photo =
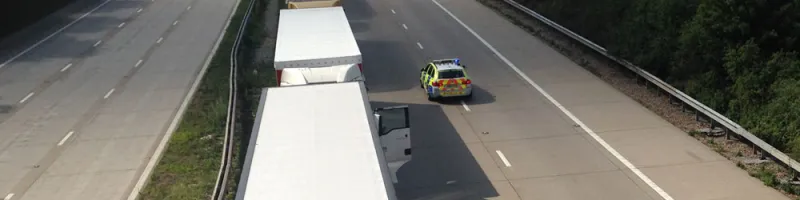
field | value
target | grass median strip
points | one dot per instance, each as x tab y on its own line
189	165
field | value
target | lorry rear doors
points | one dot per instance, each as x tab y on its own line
394	131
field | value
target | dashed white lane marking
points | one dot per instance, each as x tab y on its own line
589	131
53	34
419	45
190	7
65	68
465	106
9	196
159	40
97	43
66	137
138	11
121	25
26	98
108	93
174	23
393	12
138	63
503	158
405	27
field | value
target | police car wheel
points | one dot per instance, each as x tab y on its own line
430	98
469	96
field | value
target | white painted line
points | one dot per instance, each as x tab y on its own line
175	23
138	63
159	40
503	158
159	151
190	7
66	67
121	24
8	196
52	34
26	98
405	27
108	93
589	131
138	11
393	12
97	43
66	137
465	106
419	45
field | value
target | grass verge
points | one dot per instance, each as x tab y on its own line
737	150
189	165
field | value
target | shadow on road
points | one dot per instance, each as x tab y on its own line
442	166
388	66
69	41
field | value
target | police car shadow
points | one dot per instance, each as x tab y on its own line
479	96
442	165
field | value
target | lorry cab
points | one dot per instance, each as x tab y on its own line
394	131
319	75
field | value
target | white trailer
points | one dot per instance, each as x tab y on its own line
316	45
324	141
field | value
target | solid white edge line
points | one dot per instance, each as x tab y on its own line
159	40
97	43
419	45
138	63
26	98
108	94
9	196
405	27
66	67
503	158
148	169
121	24
66	137
589	131
53	34
465	106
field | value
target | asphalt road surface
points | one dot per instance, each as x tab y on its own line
538	127
82	110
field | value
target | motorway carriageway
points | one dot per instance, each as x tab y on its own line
82	110
538	127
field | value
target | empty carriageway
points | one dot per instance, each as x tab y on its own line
539	125
90	103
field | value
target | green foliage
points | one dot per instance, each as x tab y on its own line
736	56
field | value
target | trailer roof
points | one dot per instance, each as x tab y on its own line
315	37
315	142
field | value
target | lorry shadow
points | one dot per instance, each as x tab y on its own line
443	165
358	10
386	66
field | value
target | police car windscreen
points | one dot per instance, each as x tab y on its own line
448	74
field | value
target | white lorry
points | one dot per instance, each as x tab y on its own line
316	45
324	141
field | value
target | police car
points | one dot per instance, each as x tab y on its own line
445	78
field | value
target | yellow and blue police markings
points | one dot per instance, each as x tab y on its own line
445	78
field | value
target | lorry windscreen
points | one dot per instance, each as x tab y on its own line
448	74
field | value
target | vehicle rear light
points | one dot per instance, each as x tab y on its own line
436	84
278	75
468	82
360	68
